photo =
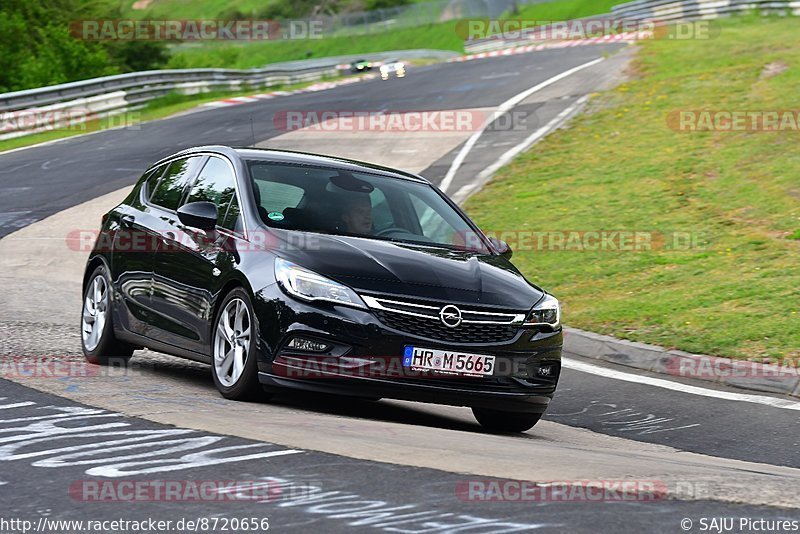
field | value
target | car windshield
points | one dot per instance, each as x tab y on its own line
337	202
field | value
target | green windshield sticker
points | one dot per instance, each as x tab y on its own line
275	216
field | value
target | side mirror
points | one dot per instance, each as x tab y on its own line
501	247
200	215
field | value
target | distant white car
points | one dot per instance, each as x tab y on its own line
393	66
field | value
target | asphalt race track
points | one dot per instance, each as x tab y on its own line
45	180
338	464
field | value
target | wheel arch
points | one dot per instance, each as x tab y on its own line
91	266
237	280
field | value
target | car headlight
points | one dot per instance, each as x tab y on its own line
308	285
546	312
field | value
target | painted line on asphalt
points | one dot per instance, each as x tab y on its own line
775	402
511	153
15	405
503	108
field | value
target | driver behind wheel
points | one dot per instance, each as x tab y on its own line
357	214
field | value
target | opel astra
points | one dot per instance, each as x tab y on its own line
290	270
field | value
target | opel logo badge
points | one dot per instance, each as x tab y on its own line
450	316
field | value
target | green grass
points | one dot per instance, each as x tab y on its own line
192	9
441	36
565	9
247	55
622	168
209	9
159	108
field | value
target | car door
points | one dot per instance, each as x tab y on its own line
162	229
188	271
131	263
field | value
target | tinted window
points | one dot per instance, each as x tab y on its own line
432	223
216	184
170	189
231	215
151	180
381	213
276	197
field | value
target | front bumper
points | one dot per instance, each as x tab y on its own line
364	358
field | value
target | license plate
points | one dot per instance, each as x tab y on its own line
449	362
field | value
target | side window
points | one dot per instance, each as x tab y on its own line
432	224
382	217
231	215
152	180
215	183
169	191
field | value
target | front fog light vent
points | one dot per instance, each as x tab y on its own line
308	345
546	371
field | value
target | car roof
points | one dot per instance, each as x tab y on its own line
304	158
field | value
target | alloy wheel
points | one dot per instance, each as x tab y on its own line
232	342
95	312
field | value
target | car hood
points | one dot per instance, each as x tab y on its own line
375	266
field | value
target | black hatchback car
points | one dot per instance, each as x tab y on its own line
285	269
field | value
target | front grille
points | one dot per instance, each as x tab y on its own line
434	329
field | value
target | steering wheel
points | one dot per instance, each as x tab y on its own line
390	230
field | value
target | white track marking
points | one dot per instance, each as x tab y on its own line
775	402
511	153
15	405
503	108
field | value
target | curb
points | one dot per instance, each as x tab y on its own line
510	49
742	374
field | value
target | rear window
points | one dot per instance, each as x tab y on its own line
277	197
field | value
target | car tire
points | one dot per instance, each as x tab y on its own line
99	344
234	366
498	421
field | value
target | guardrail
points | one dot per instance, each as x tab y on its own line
666	10
26	112
657	12
57	106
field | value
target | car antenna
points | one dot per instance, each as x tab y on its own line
252	131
